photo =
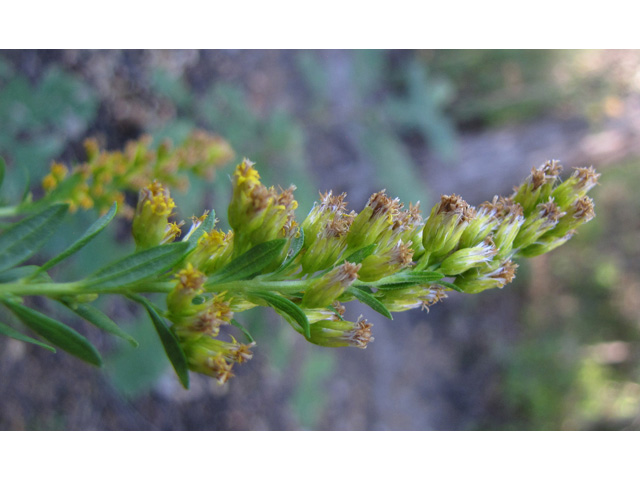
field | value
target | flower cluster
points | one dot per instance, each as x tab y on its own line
386	256
106	175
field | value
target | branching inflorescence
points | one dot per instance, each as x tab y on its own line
386	256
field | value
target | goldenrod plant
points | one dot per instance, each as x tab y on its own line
386	256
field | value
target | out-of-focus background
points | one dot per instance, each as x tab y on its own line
557	349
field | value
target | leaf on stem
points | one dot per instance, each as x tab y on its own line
56	332
450	285
407	279
241	327
86	237
249	263
296	247
11	332
170	342
359	255
287	308
138	266
96	317
23	239
369	300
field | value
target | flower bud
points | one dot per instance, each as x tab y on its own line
401	299
256	213
537	224
576	186
445	225
376	217
180	299
462	260
215	357
330	286
477	280
150	221
328	333
537	186
381	264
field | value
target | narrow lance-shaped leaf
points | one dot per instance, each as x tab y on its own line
170	343
241	327
452	286
96	317
286	307
294	250
86	237
13	333
138	266
359	255
25	238
369	300
405	279
249	263
56	332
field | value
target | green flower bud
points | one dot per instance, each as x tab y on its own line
180	299
536	225
575	187
328	333
401	299
330	286
151	226
376	217
544	245
445	225
258	214
511	221
480	226
462	260
382	264
537	186
215	357
477	280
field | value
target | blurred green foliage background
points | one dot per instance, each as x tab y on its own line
360	121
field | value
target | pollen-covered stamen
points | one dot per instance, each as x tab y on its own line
360	336
505	273
220	368
383	205
584	209
171	232
552	168
587	177
435	294
401	254
550	212
346	274
190	279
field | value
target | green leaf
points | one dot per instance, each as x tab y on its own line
14	274
25	238
450	285
249	263
206	226
406	279
10	332
56	332
294	250
170	343
359	255
138	266
369	300
286	307
96	317
242	329
86	237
